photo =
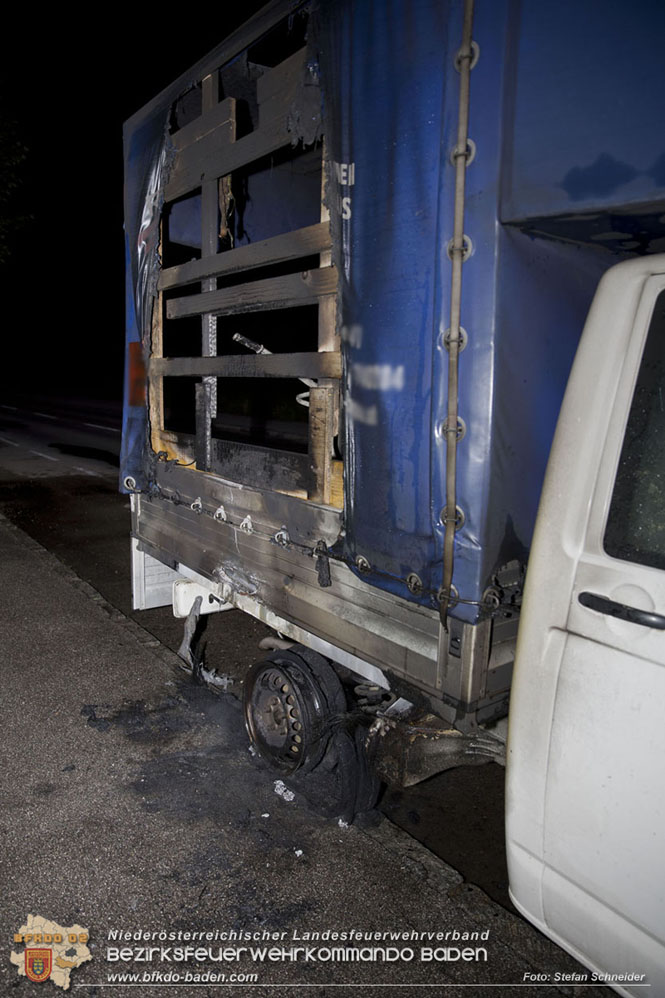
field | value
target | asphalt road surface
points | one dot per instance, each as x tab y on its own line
132	796
59	465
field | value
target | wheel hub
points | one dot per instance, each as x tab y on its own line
288	711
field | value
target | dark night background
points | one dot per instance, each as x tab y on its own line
66	87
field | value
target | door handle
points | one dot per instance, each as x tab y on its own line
631	613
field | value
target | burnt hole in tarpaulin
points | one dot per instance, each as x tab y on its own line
181	231
304	118
262	412
179	396
511	547
237	79
277	193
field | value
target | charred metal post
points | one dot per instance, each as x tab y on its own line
186	650
203	446
206	392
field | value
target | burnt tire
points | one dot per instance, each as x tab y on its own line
346	785
330	766
292	702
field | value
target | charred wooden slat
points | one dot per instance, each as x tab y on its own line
274	292
203	415
208	158
221	116
288	246
320	441
274	365
240	39
261	466
285	78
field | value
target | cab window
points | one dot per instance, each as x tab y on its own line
636	524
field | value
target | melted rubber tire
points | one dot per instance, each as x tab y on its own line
292	702
343	784
334	773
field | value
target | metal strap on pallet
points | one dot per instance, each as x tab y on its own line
453	338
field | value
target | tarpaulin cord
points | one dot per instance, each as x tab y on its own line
453	337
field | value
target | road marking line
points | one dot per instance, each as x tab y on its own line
6	440
86	472
98	426
49	457
44	415
12	407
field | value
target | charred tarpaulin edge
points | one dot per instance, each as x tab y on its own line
149	266
154	266
242	38
137	142
340	240
430	596
144	266
305	118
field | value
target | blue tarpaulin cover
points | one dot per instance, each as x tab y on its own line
567	178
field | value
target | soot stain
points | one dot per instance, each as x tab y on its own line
191	784
140	721
44	789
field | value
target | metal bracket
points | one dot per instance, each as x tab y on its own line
406	753
185	651
322	565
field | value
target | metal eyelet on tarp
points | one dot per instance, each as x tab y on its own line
459	519
459	249
442	429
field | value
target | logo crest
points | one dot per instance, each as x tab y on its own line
38	964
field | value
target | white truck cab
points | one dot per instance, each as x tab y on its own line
585	798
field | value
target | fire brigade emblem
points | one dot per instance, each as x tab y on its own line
38	964
52	952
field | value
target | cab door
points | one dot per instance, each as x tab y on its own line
591	660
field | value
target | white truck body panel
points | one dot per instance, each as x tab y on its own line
585	807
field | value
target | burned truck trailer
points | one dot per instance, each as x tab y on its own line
362	241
